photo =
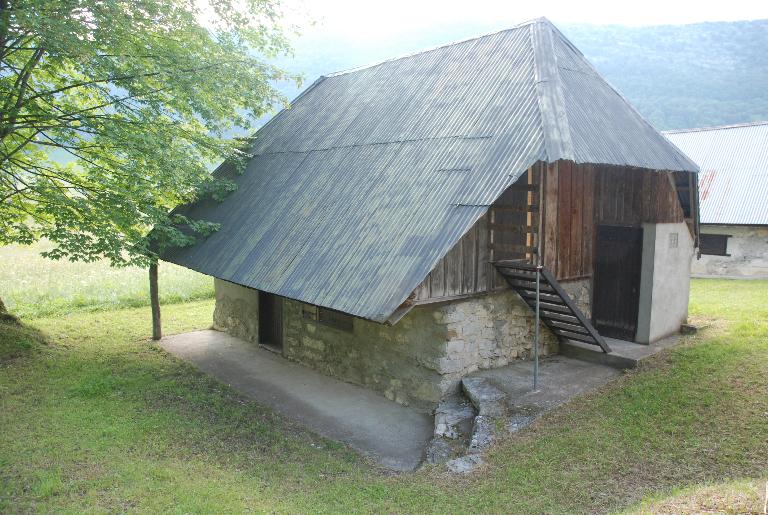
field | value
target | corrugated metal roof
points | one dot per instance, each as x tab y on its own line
358	190
733	183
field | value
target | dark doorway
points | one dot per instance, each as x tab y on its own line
270	320
616	297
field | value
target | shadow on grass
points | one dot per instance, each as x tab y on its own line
17	339
103	416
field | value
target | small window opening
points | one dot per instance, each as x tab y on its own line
714	244
335	319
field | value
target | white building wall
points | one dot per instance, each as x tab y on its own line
665	280
748	249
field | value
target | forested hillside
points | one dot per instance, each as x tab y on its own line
684	76
677	76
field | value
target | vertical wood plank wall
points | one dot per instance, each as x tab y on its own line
464	270
633	197
577	198
569	219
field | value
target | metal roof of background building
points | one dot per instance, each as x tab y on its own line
733	183
364	184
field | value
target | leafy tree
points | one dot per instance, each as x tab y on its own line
113	111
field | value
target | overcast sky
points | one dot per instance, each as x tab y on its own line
375	19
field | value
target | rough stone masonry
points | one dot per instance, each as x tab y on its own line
417	361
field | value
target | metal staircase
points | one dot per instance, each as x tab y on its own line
556	308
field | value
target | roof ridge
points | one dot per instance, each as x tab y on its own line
519	26
716	127
555	124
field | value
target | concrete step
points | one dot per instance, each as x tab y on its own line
487	399
623	354
593	354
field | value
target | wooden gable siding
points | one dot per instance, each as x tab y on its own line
578	198
499	234
465	270
509	226
633	197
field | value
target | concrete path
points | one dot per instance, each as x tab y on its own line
638	351
393	435
579	369
560	379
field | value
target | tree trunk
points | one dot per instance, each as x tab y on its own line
157	332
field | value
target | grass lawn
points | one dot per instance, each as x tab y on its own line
101	419
33	286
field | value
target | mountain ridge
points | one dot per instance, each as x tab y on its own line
676	76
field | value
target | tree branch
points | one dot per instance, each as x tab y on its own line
53	177
19	147
21	87
123	78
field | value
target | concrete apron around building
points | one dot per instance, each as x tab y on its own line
502	400
395	436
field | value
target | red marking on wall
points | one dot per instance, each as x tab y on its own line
706	179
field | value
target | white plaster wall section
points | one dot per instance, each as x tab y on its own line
747	249
646	284
665	280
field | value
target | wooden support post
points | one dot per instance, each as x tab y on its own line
157	332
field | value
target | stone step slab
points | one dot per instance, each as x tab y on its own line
453	418
441	450
487	398
465	464
482	434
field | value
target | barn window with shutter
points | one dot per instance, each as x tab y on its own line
714	244
335	319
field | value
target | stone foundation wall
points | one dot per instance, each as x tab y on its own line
403	362
237	310
488	331
417	361
580	290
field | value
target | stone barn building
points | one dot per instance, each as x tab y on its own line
733	186
385	229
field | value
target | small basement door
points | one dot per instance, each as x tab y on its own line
270	320
616	300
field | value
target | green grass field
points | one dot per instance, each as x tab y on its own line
97	418
33	286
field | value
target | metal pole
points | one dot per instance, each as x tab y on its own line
536	338
540	180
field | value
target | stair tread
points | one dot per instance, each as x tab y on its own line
556	309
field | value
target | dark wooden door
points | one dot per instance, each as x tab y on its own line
616	296
270	320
